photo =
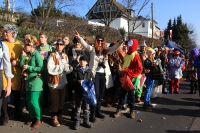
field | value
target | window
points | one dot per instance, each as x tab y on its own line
143	25
95	10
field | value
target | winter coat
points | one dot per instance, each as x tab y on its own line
80	75
175	72
94	60
35	67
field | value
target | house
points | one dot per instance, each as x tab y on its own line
115	15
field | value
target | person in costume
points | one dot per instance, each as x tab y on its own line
99	66
34	82
193	71
143	57
133	68
58	66
175	72
15	48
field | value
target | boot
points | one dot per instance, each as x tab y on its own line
98	112
132	114
107	101
114	101
55	122
87	124
77	125
61	120
72	114
5	120
117	114
92	115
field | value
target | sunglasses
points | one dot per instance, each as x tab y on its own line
60	44
27	45
99	40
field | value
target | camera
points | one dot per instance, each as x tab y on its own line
102	64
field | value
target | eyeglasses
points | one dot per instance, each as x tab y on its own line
99	40
60	44
27	45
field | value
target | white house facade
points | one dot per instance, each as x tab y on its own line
144	26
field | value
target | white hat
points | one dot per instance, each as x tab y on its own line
143	44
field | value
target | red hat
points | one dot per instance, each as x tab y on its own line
176	52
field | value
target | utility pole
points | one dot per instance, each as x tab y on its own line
152	22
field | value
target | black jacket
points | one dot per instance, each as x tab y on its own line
79	75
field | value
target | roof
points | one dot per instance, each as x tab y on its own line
118	5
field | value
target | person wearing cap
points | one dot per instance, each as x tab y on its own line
58	66
143	56
175	72
44	49
100	69
148	70
15	48
33	85
5	65
82	72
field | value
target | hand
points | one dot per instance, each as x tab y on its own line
79	81
7	91
23	52
14	63
25	67
146	71
76	34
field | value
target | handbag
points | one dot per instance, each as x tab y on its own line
126	81
88	91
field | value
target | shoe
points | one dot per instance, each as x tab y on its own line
5	120
177	92
100	115
29	122
147	108
191	92
117	114
61	120
108	105
171	92
77	125
138	100
132	114
37	123
87	124
55	122
92	118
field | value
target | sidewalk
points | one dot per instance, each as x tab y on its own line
174	113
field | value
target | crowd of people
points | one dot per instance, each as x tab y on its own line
122	73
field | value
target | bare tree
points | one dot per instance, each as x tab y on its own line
138	6
47	6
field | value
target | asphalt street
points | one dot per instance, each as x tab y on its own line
174	113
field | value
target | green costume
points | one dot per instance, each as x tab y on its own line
33	86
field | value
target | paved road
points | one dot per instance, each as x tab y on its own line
180	113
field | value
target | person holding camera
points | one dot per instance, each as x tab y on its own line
100	69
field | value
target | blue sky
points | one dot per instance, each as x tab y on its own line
163	11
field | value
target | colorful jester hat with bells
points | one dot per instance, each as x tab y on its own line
132	51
